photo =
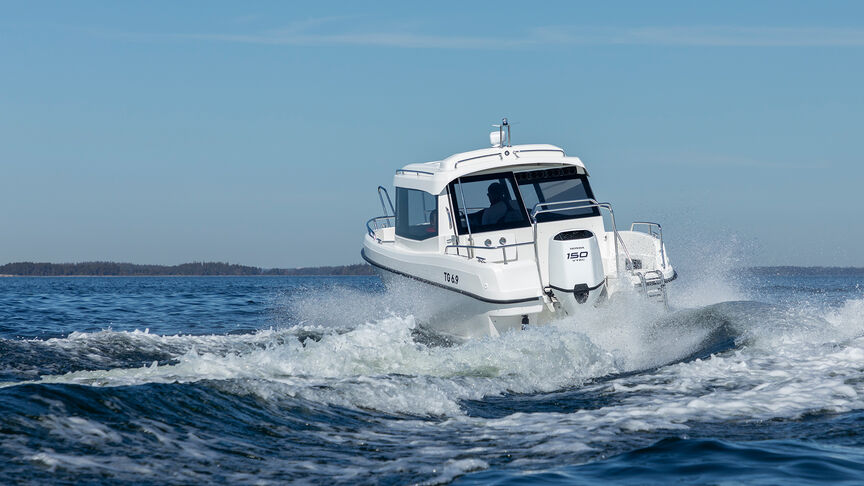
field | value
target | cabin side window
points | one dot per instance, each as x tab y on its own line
556	185
416	214
488	203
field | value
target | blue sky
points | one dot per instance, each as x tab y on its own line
256	132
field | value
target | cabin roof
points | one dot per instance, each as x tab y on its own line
434	176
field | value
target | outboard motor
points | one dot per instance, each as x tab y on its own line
576	269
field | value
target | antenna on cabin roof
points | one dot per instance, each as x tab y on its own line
497	138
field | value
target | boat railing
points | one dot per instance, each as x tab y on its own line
476	158
382	192
412	171
469	255
658	234
377	223
560	206
553	207
651	278
388	220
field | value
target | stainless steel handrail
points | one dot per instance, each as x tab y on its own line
371	231
381	198
642	282
477	157
405	171
467	219
661	283
592	203
539	150
659	231
646	223
503	248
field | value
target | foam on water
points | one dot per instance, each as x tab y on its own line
784	375
378	365
715	362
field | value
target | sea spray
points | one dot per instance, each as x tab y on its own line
360	398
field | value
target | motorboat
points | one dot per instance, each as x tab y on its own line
507	237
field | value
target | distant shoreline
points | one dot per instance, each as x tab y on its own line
221	269
177	276
195	269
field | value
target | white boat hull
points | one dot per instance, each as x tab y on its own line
464	299
459	316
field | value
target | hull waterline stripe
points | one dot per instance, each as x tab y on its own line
436	284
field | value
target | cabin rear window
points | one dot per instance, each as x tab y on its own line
556	185
416	214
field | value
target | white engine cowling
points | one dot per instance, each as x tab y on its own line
576	269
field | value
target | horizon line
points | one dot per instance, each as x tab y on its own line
362	263
308	34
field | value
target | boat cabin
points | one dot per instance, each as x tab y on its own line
468	198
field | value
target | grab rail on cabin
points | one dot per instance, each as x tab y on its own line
412	171
374	224
469	159
381	198
651	232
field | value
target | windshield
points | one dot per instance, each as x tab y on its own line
490	201
556	185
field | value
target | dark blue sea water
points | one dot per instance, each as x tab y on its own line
268	380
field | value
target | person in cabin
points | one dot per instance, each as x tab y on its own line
499	204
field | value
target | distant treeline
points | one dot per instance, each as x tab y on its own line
789	271
31	269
